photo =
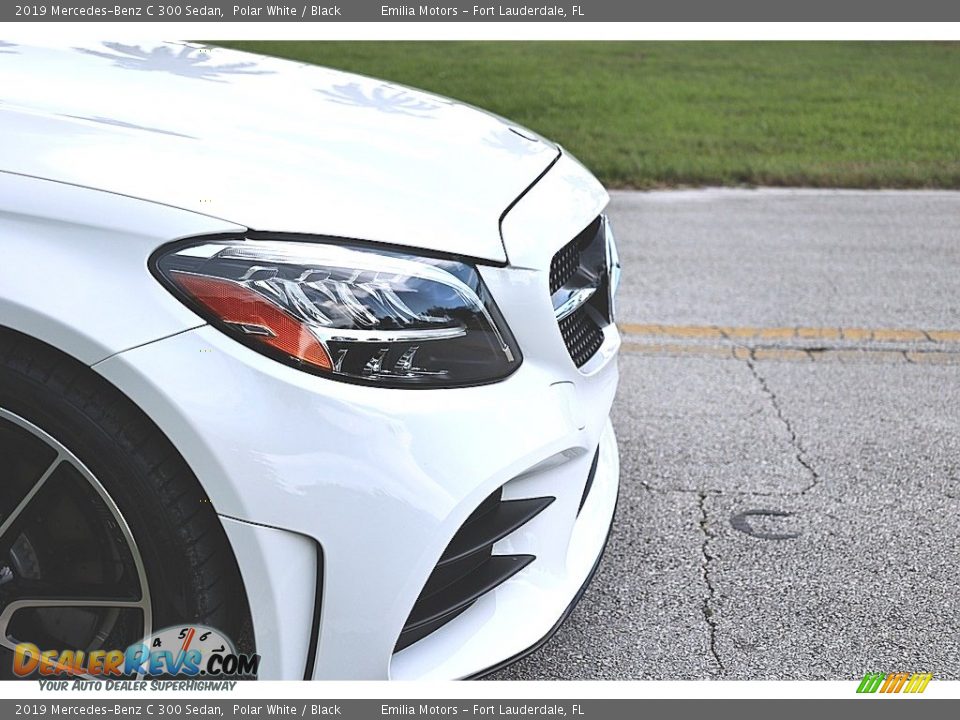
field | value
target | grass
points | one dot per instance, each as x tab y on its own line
650	114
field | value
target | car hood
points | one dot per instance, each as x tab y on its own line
269	144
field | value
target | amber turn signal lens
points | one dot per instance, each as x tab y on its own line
255	316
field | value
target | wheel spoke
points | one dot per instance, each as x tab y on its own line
73	602
79	602
45	590
11	521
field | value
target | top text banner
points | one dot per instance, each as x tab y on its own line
585	11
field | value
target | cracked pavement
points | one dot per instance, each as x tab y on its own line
788	422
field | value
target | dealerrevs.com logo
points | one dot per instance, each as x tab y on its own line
910	683
186	651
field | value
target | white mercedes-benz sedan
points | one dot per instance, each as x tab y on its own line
319	361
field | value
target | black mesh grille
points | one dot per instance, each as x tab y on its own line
564	265
468	569
582	257
567	260
582	336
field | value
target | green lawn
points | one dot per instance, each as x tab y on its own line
646	114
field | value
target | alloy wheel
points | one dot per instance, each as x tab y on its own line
71	575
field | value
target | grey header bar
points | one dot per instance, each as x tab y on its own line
484	709
484	11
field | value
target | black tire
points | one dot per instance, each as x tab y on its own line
192	574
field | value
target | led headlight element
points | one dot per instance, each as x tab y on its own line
348	311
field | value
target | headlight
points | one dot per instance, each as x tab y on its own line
348	312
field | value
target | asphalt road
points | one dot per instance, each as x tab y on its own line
788	421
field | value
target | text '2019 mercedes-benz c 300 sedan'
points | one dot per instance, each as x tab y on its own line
296	363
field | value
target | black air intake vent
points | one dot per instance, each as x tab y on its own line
468	569
590	477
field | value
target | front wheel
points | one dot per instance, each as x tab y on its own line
105	534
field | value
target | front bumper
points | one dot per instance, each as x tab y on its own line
358	490
381	480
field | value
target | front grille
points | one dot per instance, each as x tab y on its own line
564	265
580	262
468	569
582	335
567	260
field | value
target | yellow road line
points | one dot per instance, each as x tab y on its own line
783	354
944	335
